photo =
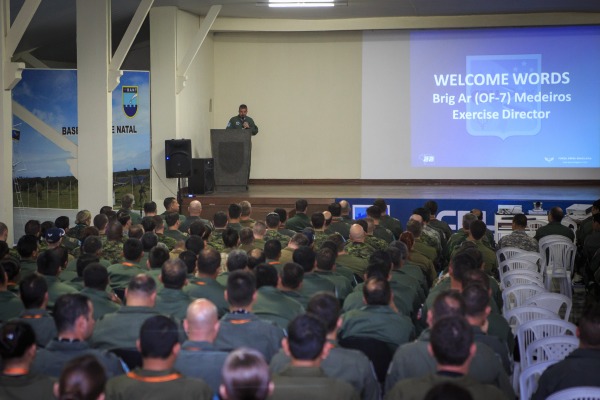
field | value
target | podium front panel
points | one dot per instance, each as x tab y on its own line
231	151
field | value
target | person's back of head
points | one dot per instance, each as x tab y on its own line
149	240
379	270
189	258
335	209
377	292
328	244
234	211
83	261
317	220
381	204
266	275
470	249
520	220
259	229
100	221
299	240
423	212
449	303
52	260
477	229
477	300
68	308
245	376
150	207
95	276
306	337
148	224
82	378
157	256
460	263
132	249
194	243
141	286
292	275
255	257
127	201
431	206
158	337
338	240
326	259
415	227
301	205
272	249
557	214
33	290
220	219
237	260
27	246
282	214
408	239
16	338
363	224
327	307
476	276
241	286
305	256
467	220
12	267
209	261
91	245
245	208
62	222
33	227
168	202
89	231
171	218
451	341
374	212
380	256
396	256
231	238
173	274
247	236
114	231
589	327
272	220
197	228
159	223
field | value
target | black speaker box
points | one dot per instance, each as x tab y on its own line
178	158
202	180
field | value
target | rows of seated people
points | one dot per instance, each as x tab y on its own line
117	286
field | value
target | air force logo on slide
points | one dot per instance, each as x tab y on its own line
130	97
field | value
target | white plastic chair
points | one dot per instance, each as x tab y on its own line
555	302
531	331
520	315
560	260
571	224
514	264
506	253
515	296
532	256
577	393
523	277
550	349
528	380
550	238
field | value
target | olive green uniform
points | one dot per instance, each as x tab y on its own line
383	233
209	289
343	287
201	360
314	283
392	224
378	322
120	274
356	264
272	305
26	387
301	383
42	323
56	288
11	306
121	329
172	302
298	222
102	302
339	226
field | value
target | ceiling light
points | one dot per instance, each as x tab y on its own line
301	3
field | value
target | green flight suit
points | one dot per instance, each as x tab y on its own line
121	329
425	264
343	287
201	360
338	226
238	123
56	288
28	267
392	224
298	222
11	306
164	385
42	323
102	302
26	387
314	283
405	279
403	301
120	274
299	297
378	322
355	264
301	383
272	305
173	302
189	220
383	233
210	289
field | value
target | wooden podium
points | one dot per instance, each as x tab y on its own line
231	150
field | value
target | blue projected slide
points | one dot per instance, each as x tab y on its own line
522	97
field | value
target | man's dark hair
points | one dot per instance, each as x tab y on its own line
16	338
91	245
12	267
306	337
325	259
32	290
325	306
171	218
272	220
123	217
317	219
292	275
33	227
26	245
301	205
520	220
236	260
52	260
246	236
374	212
105	209
467	220
234	211
300	239
62	222
220	219
423	212
476	299
45	226
557	214
95	276
328	244
304	256
266	275
143	284
133	249
230	237
245	375
195	244
395	256
462	262
149	207
282	214
159	223
82	378
448	303
338	240
158	336
477	229
149	240
379	270
173	273
380	256
100	221
470	248
476	276
381	204
589	327
189	259
377	292
432	206
168	201
335	209
241	286
363	223
451	340
209	261
83	261
272	249
415	227
157	257
198	228
255	257
68	308
148	224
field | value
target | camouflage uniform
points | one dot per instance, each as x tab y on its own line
320	238
273	234
360	250
168	241
520	240
247	223
383	233
113	251
77	231
70	244
391	223
216	240
376	243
